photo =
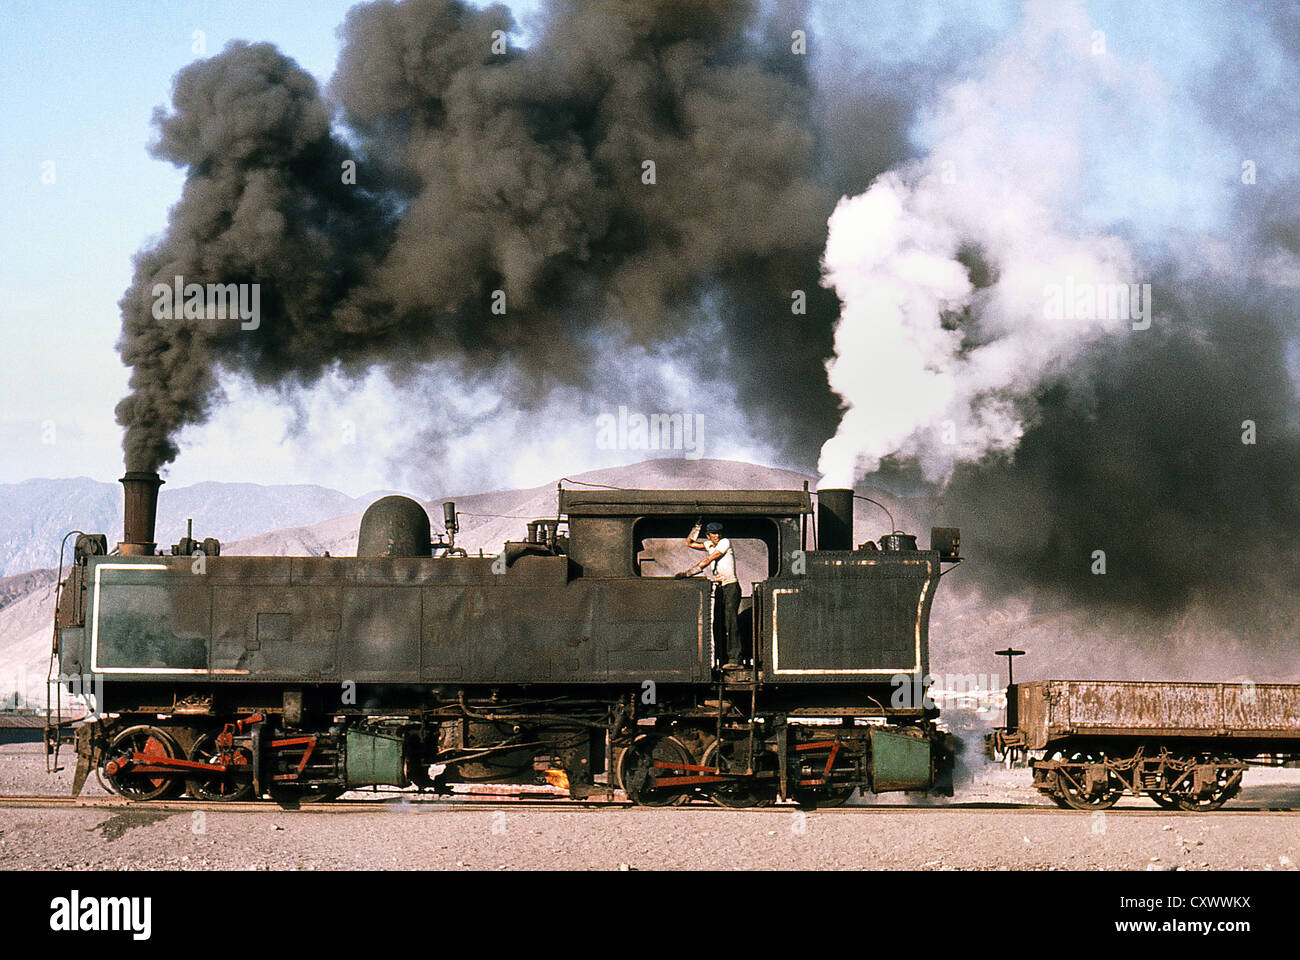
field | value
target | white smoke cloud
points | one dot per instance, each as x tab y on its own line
441	432
479	436
930	366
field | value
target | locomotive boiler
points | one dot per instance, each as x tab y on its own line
573	657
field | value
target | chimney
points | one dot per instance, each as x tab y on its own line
139	513
834	519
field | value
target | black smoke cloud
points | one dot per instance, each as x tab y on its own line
263	203
479	172
1138	452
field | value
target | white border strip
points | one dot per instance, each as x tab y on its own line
94	630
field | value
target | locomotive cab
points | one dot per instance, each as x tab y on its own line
637	536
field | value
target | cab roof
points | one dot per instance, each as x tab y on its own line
730	503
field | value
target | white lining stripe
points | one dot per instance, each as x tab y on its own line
94	630
776	655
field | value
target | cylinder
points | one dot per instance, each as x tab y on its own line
834	519
139	512
394	527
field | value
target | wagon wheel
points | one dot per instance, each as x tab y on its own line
1164	801
1071	795
637	770
1045	781
221	786
1221	795
737	794
1213	802
149	742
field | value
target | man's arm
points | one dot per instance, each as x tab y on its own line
692	571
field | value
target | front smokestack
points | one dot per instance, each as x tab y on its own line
139	513
834	519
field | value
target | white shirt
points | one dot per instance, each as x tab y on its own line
724	568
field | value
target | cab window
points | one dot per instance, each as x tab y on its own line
661	550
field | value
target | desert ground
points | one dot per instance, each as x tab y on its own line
996	822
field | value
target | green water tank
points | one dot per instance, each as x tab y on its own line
375	758
899	761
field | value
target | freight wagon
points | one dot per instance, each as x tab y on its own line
1184	745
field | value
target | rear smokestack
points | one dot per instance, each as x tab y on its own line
835	519
139	513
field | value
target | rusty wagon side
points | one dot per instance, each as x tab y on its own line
1183	744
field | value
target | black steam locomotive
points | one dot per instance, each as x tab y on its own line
574	657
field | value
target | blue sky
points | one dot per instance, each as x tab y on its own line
79	82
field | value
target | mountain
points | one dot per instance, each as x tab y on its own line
26	634
489	519
35	514
20	584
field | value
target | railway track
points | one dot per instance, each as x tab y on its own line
523	802
333	806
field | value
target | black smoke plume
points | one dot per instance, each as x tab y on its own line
1138	450
521	171
1176	455
263	203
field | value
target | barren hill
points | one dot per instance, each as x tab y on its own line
35	514
490	519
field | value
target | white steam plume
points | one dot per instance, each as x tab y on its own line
930	365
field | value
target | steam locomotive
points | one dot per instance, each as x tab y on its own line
574	657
